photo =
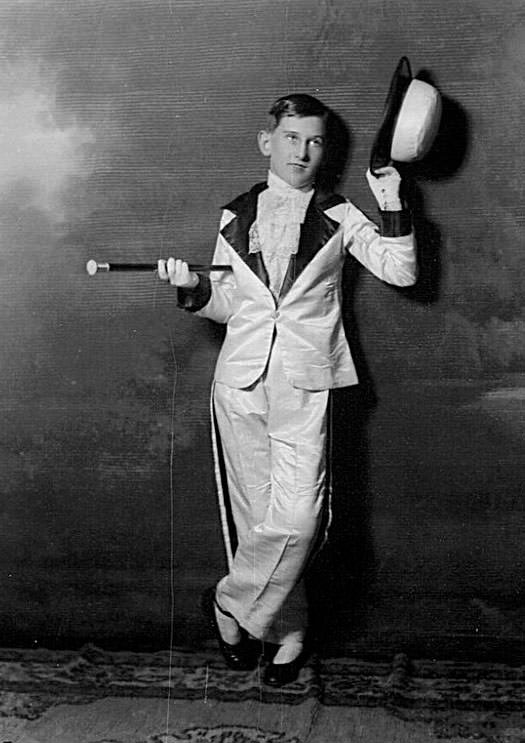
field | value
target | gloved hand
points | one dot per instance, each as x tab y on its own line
385	187
177	273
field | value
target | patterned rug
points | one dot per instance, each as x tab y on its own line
96	696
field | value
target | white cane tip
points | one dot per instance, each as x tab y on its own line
91	267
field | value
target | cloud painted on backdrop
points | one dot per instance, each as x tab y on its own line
42	152
35	150
61	328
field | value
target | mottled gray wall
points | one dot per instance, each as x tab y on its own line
124	126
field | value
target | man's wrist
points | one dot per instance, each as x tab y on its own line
395	223
391	204
196	298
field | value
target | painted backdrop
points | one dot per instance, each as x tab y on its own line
124	126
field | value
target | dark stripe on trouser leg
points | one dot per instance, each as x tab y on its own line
232	531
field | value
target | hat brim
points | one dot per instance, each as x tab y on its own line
380	154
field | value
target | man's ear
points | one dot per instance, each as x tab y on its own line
263	140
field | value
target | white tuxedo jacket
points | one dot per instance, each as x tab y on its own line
306	320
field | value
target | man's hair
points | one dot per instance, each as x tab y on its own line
297	104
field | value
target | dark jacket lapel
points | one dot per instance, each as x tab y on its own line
315	232
236	232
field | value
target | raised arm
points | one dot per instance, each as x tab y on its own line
387	250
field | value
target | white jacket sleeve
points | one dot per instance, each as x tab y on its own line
212	297
391	259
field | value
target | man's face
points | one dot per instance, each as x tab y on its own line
295	148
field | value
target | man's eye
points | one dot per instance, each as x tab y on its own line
317	142
291	137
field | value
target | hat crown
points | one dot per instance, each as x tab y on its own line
417	122
410	121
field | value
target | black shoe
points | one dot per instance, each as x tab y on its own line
242	656
280	674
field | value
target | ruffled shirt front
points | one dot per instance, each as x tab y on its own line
281	210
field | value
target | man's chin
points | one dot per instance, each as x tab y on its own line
298	177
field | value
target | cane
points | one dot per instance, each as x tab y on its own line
93	267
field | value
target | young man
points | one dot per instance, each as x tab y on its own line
284	350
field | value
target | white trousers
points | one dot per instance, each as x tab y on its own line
273	438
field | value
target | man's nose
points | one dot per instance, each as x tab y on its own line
302	151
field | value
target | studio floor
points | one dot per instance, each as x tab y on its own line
177	696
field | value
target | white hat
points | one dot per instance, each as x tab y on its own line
410	120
